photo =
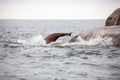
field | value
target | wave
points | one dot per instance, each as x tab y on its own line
10	44
96	41
39	40
99	41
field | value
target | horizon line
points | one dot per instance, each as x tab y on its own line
52	19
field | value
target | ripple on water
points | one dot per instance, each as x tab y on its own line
10	45
91	64
115	67
3	56
113	55
86	53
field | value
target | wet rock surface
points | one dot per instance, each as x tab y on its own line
114	18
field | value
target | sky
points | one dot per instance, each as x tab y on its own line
57	9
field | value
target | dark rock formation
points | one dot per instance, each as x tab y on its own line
114	18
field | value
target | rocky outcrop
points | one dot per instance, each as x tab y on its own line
112	32
114	18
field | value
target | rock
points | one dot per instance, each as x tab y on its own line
110	33
114	18
105	33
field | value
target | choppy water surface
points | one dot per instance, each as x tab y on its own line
54	62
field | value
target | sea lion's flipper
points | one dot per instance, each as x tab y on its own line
74	38
54	36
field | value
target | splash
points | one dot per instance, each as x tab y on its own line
37	40
106	41
96	41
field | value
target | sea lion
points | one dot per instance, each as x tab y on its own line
54	36
111	31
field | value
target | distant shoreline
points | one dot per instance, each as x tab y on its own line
52	19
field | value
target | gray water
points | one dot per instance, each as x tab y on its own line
36	62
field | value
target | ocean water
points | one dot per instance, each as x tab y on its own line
23	58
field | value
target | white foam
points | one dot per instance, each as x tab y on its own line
21	41
96	41
93	41
37	40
